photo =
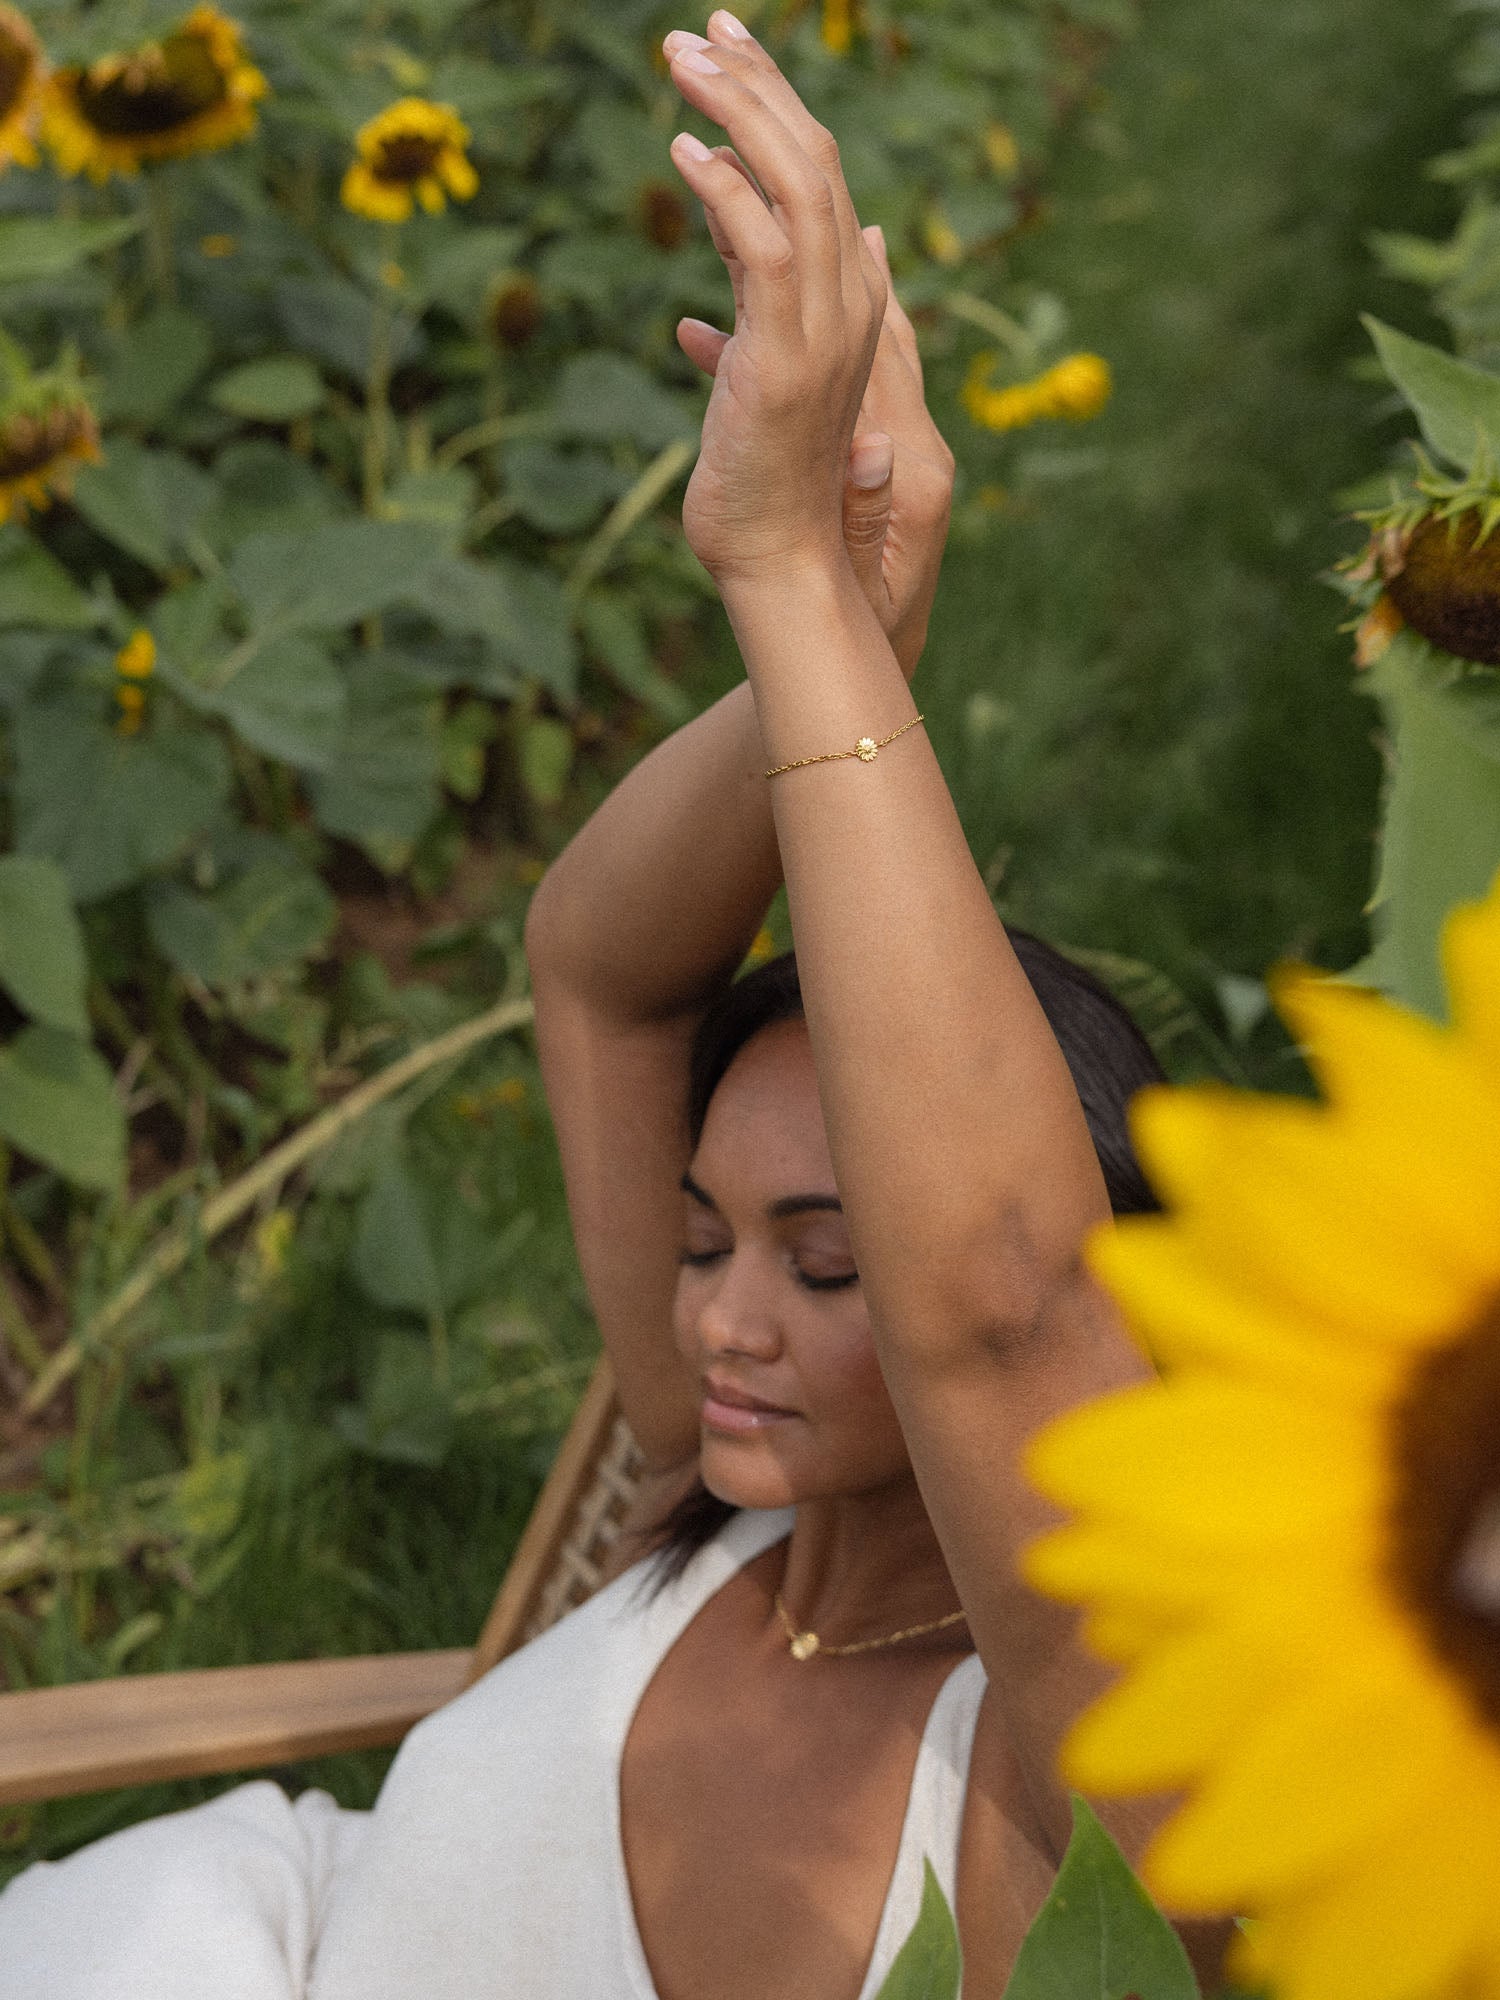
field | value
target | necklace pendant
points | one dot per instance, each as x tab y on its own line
804	1645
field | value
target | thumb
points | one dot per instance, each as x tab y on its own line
867	512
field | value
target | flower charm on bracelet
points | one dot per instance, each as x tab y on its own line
867	749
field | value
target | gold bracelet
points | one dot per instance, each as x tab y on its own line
866	750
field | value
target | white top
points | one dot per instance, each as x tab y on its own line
491	1865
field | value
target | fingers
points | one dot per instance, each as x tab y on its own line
867	514
702	344
748	233
808	201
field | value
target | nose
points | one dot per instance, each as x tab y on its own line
736	1311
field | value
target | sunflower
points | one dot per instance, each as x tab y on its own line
1077	387
47	430
1291	1542
413	151
194	91
22	71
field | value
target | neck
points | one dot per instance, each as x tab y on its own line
861	1565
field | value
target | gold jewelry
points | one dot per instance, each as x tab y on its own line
866	750
802	1645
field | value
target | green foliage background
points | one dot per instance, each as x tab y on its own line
382	702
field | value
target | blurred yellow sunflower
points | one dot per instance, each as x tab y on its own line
1077	387
47	430
1292	1542
22	73
194	91
413	151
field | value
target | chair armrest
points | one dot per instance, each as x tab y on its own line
143	1728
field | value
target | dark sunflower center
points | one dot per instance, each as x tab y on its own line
30	443
1448	588
17	61
153	90
406	157
1445	1544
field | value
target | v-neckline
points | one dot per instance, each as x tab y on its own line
747	1529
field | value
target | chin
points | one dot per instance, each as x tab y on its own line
750	1478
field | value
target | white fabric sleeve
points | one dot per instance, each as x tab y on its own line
222	1902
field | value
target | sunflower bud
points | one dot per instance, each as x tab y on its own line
1446	585
513	311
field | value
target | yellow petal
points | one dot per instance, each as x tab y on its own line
1187	1306
1317	1779
1471	958
1410	1919
1168	1716
1213	1461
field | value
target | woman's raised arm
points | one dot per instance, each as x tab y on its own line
650	910
958	1142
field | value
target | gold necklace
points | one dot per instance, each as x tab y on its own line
802	1645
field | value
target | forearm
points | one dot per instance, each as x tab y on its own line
958	1141
652	906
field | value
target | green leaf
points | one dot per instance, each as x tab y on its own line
35	589
288	700
560	492
1440	841
406	1416
929	1966
1457	404
331	574
110	809
144	501
617	638
395	1258
520	611
58	1106
262	921
544	750
607	395
443	496
333	319
33	247
381	786
42	963
273	391
1099	1936
156	364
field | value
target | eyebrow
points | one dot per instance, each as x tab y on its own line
787	1204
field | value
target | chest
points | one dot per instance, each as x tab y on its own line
762	1803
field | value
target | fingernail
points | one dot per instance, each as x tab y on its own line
732	26
683	38
870	464
696	60
693	148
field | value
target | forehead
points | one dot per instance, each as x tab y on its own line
764	1126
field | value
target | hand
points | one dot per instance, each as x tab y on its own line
768	492
894	530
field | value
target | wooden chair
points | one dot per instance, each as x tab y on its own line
143	1728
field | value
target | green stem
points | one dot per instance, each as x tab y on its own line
378	390
160	247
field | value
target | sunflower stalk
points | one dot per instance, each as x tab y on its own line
159	232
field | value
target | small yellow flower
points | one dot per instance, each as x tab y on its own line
530	870
47	430
194	91
218	245
391	275
1001	150
1077	387
273	1240
136	659
411	152
132	705
762	947
941	239
1291	1542
22	77
839	21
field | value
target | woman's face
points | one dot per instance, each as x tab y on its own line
769	1314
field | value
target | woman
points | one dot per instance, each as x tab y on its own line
831	1233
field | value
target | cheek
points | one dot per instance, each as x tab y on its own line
844	1373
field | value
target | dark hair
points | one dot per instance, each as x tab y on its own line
1108	1056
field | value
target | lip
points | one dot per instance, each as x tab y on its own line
735	1412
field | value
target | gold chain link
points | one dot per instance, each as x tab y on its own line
866	750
